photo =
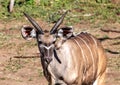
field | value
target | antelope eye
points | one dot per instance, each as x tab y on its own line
40	42
54	40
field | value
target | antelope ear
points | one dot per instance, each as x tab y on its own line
28	32
65	32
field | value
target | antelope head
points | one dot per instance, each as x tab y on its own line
48	41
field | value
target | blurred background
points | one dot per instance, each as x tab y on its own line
19	59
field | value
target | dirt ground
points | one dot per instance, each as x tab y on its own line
20	62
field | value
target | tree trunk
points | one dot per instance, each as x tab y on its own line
11	5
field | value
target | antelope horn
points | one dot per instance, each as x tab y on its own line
60	20
34	23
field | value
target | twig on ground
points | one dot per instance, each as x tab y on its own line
107	30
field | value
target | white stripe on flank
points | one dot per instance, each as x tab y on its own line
95	47
94	41
82	53
85	56
90	53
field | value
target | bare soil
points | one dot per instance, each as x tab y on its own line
20	62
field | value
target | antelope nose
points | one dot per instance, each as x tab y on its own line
48	59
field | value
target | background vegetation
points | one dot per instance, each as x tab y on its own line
50	10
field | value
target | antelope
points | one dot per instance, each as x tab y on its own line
66	58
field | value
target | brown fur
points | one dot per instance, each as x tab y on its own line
92	66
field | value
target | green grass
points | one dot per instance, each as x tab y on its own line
13	66
40	72
3	39
50	10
